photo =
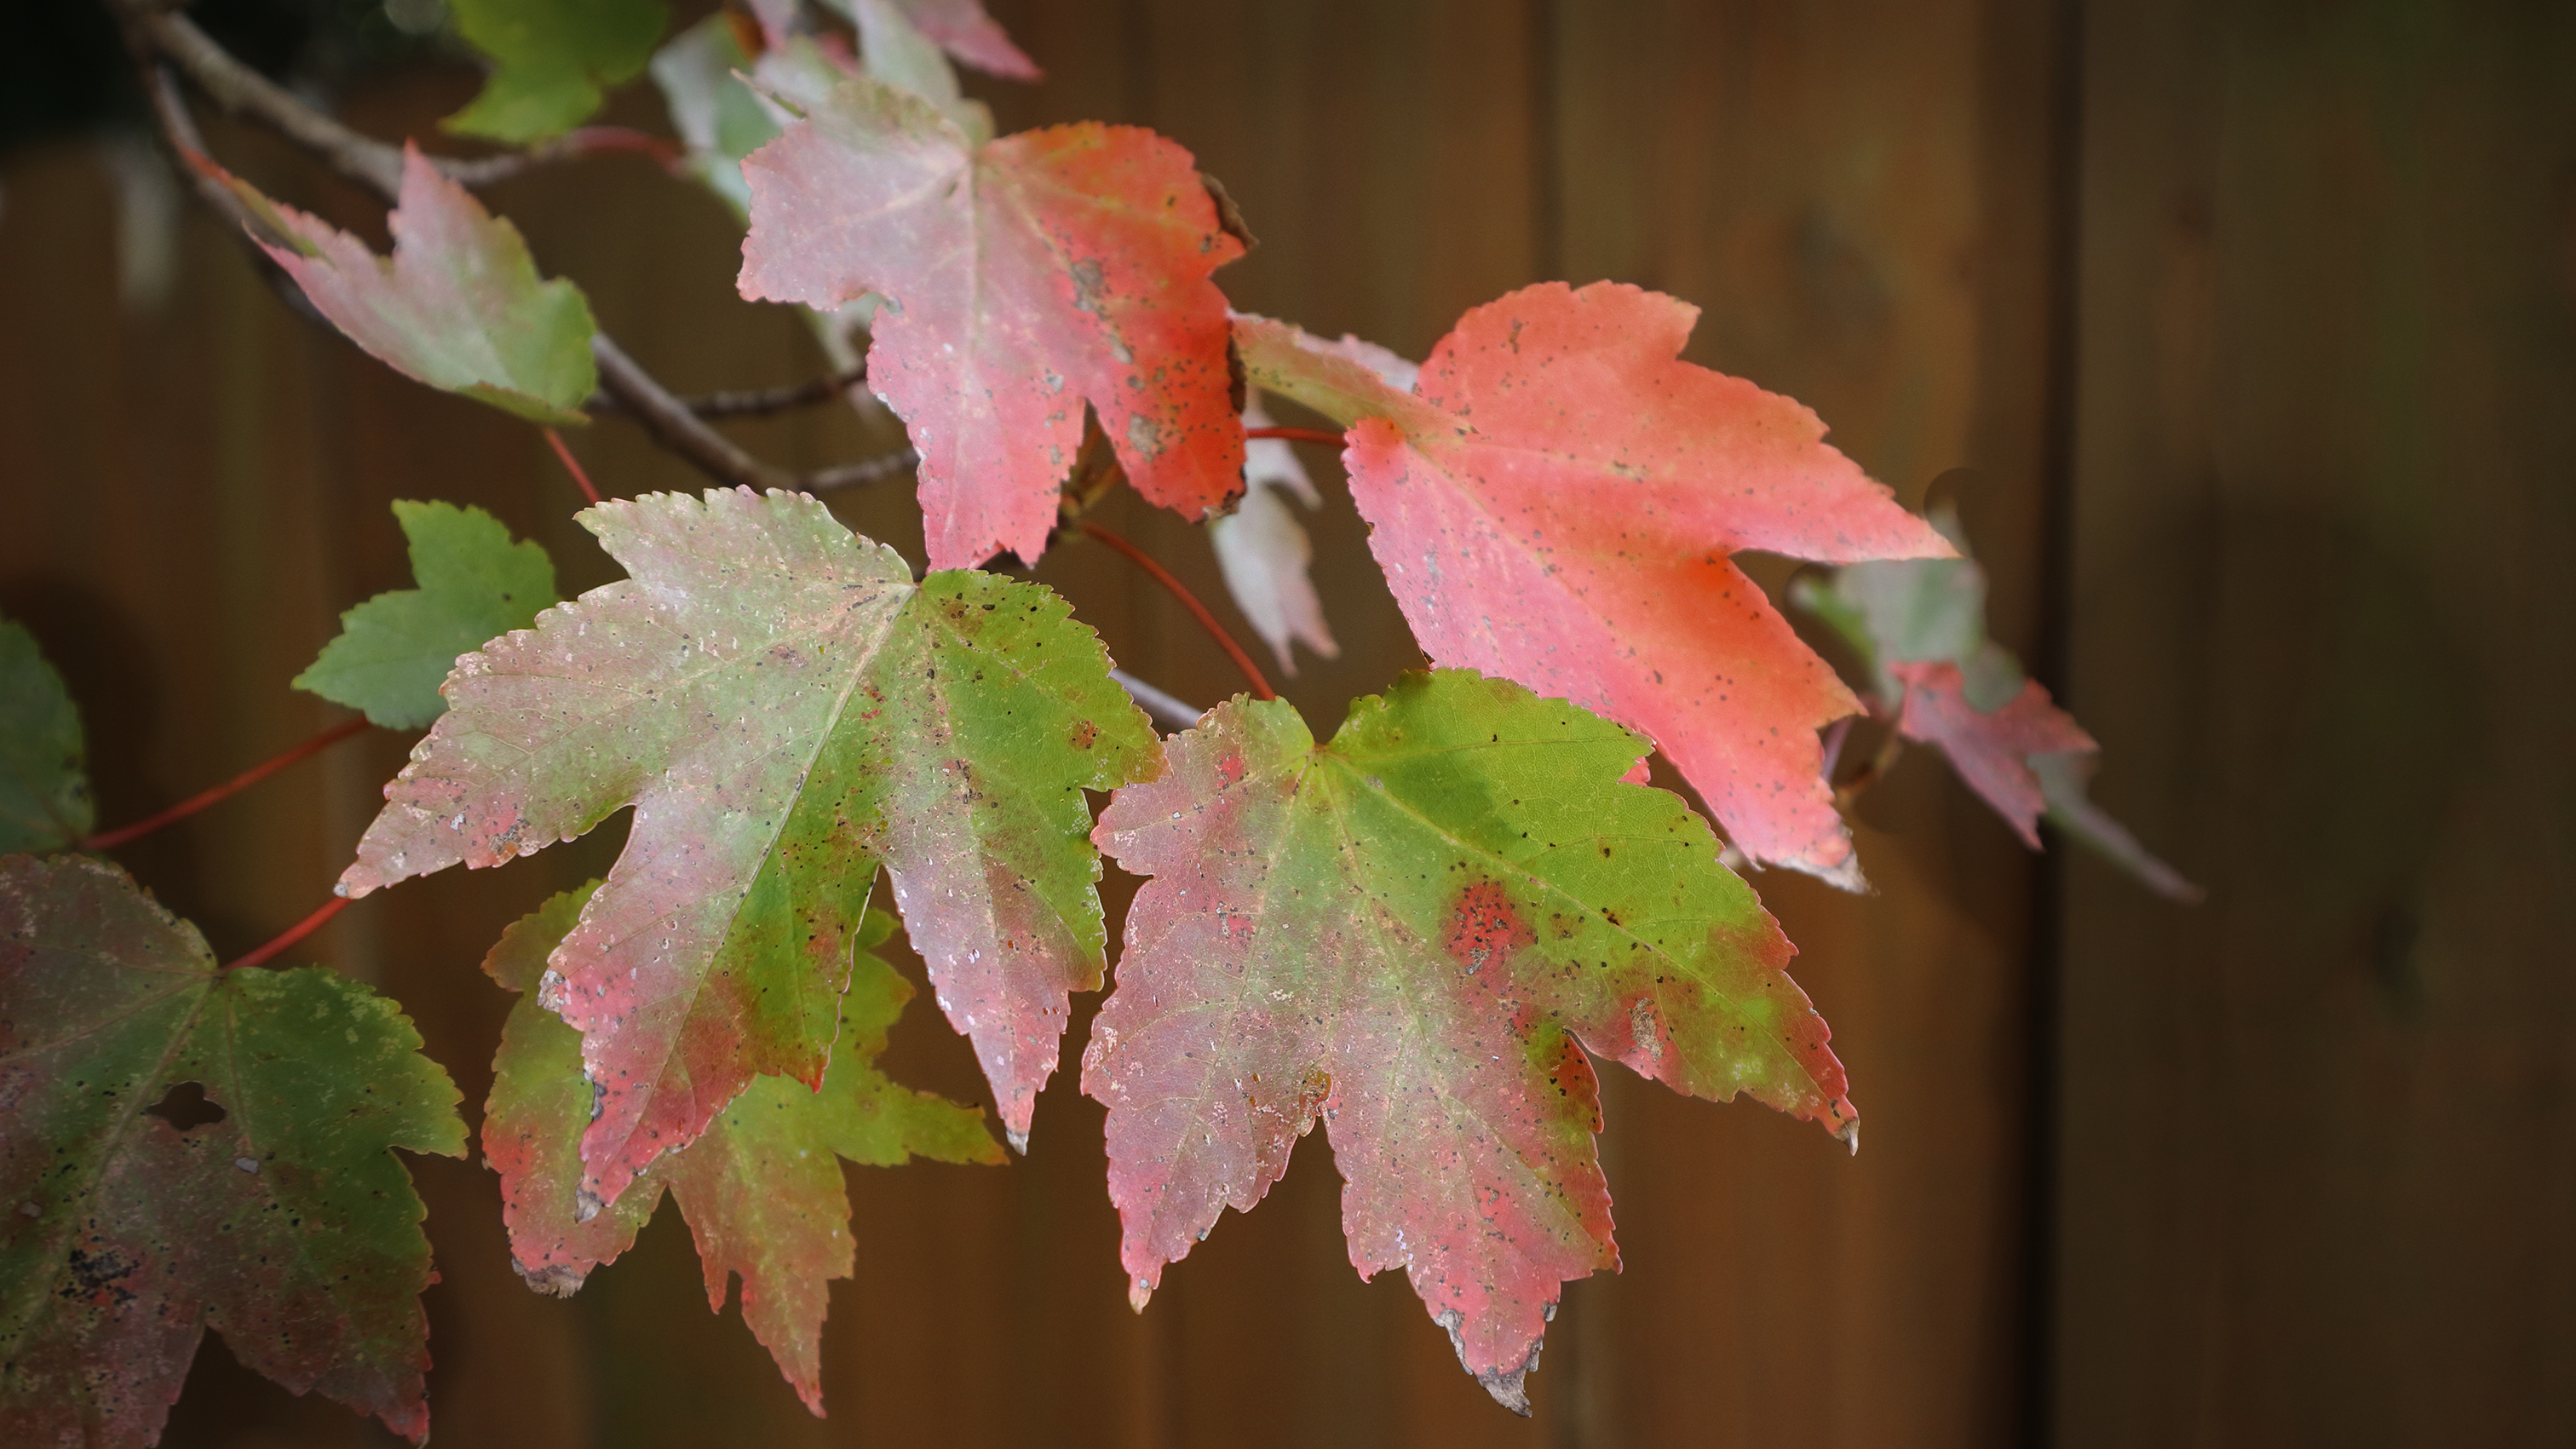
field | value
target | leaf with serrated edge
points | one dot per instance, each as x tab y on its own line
1416	933
784	707
458	305
394	650
1024	278
551	61
1555	503
44	786
1919	627
288	1226
762	1190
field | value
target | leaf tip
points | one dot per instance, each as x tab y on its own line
554	1280
1139	1293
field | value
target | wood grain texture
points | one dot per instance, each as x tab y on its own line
2317	1156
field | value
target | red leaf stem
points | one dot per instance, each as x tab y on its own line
572	465
1251	672
598	140
1297	435
292	934
111	839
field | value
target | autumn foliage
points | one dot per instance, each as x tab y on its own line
1423	933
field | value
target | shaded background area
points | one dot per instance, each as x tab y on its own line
2256	327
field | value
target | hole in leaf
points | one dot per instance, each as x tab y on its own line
186	1108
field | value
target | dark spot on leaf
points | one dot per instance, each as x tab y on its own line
186	1107
96	1273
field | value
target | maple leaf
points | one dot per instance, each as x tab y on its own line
287	1225
394	650
1024	278
761	1190
783	707
44	788
1264	552
457	306
719	119
1919	627
964	30
1555	501
551	61
1415	934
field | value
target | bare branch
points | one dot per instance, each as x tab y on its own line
866	470
180	129
674	426
374	164
756	402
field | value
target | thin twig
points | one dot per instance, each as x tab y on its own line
1165	709
360	157
869	470
292	934
572	465
674	426
1161	575
1298	435
111	839
754	402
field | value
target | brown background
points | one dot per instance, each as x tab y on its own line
2257	325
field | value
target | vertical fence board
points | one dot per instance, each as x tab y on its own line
1854	195
2317	1153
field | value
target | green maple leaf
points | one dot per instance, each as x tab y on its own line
762	1188
458	305
784	707
44	791
551	61
394	650
1415	934
287	1226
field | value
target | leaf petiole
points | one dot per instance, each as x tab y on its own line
1296	435
1251	672
262	955
572	465
111	839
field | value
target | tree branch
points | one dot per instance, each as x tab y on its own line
867	470
758	402
362	158
674	426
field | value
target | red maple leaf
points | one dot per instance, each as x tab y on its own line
1024	278
1555	503
1419	934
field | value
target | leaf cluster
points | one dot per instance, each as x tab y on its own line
1422	934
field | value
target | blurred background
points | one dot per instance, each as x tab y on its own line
2245	335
